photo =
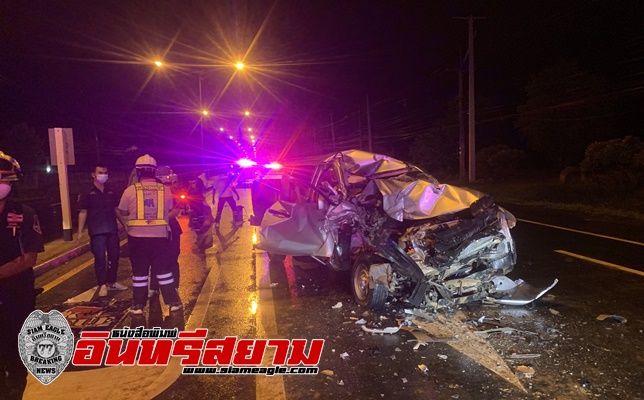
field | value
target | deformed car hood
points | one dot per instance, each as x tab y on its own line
420	199
405	197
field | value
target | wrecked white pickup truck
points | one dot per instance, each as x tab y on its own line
399	231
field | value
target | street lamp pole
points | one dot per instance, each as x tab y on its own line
201	124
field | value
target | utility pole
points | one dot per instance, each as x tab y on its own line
332	131
360	127
471	119
369	141
461	127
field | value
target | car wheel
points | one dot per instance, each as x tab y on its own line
364	295
276	257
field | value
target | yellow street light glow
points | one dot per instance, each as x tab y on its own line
221	129
204	112
252	136
247	113
250	129
239	65
254	239
253	307
158	63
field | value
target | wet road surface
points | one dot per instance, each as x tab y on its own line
579	357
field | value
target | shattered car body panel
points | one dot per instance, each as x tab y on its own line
435	245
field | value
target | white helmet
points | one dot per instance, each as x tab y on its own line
146	162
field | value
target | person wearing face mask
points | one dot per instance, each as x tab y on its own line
97	208
20	243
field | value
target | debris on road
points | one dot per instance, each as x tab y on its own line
397	349
389	329
274	284
419	313
423	368
338	305
374	351
327	372
442	356
361	321
404	380
505	329
523	371
417	346
340	382
344	356
611	318
553	311
517	356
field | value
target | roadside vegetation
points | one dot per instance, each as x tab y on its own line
608	181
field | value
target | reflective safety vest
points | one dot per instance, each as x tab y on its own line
153	218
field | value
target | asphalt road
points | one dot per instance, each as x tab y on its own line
235	291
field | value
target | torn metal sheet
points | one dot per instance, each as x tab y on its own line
518	293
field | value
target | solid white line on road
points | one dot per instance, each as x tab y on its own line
266	387
600	262
583	232
73	272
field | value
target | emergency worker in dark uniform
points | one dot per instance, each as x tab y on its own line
97	206
148	206
19	244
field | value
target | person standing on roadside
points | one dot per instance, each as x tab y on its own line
225	186
97	208
20	243
148	206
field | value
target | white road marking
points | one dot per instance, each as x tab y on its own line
84	297
266	387
583	232
600	262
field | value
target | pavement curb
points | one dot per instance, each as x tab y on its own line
60	259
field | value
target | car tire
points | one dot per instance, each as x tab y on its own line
276	257
364	295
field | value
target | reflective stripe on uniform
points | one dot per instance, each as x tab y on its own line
166	282
140	206
139	281
165	276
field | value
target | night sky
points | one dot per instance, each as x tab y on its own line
88	65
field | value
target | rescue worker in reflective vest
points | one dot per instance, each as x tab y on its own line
19	244
148	206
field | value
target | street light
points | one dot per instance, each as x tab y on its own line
204	112
247	113
239	65
158	63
